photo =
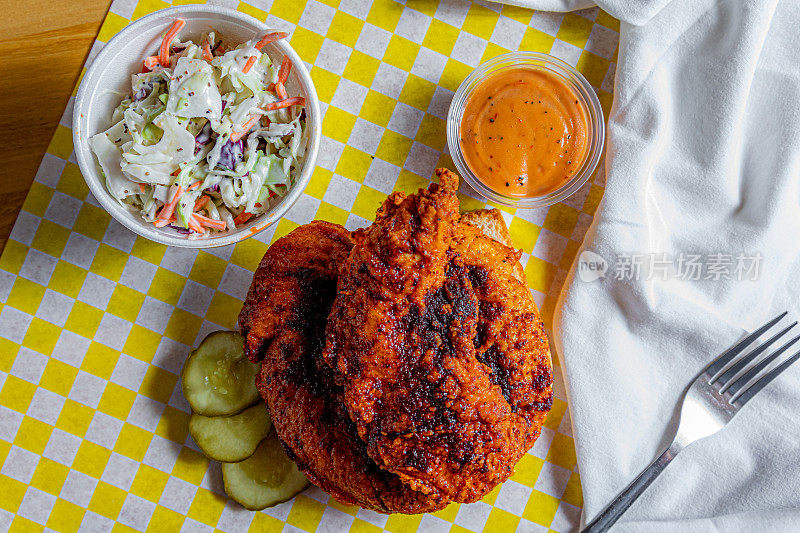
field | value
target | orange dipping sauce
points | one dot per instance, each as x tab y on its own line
524	132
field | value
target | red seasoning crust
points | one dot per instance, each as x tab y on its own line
439	348
427	378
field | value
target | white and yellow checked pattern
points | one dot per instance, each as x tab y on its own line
95	322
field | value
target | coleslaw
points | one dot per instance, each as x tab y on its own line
208	136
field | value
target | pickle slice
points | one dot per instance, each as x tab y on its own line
217	379
266	478
229	439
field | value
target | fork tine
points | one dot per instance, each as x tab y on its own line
748	376
729	374
728	355
764	381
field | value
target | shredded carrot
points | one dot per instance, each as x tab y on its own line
242	217
220	50
142	187
247	126
269	38
207	55
295	100
169	208
280	90
163	56
194	185
151	62
201	203
160	223
250	62
286	68
194	225
209	222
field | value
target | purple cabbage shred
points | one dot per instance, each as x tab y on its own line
204	136
231	153
143	92
182	231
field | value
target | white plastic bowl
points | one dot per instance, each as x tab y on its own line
122	56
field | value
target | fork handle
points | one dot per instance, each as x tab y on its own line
625	499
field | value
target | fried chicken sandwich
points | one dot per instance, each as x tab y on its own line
405	364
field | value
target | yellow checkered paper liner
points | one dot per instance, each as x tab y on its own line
96	322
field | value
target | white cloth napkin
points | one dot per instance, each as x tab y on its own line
703	158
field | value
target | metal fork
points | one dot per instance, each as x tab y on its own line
717	394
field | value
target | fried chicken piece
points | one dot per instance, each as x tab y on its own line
439	349
284	320
300	269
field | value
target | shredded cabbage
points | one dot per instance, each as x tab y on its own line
175	138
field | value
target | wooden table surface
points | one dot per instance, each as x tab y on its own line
44	45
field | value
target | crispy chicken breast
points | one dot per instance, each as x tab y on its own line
439	349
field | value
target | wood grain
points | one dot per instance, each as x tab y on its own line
44	45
